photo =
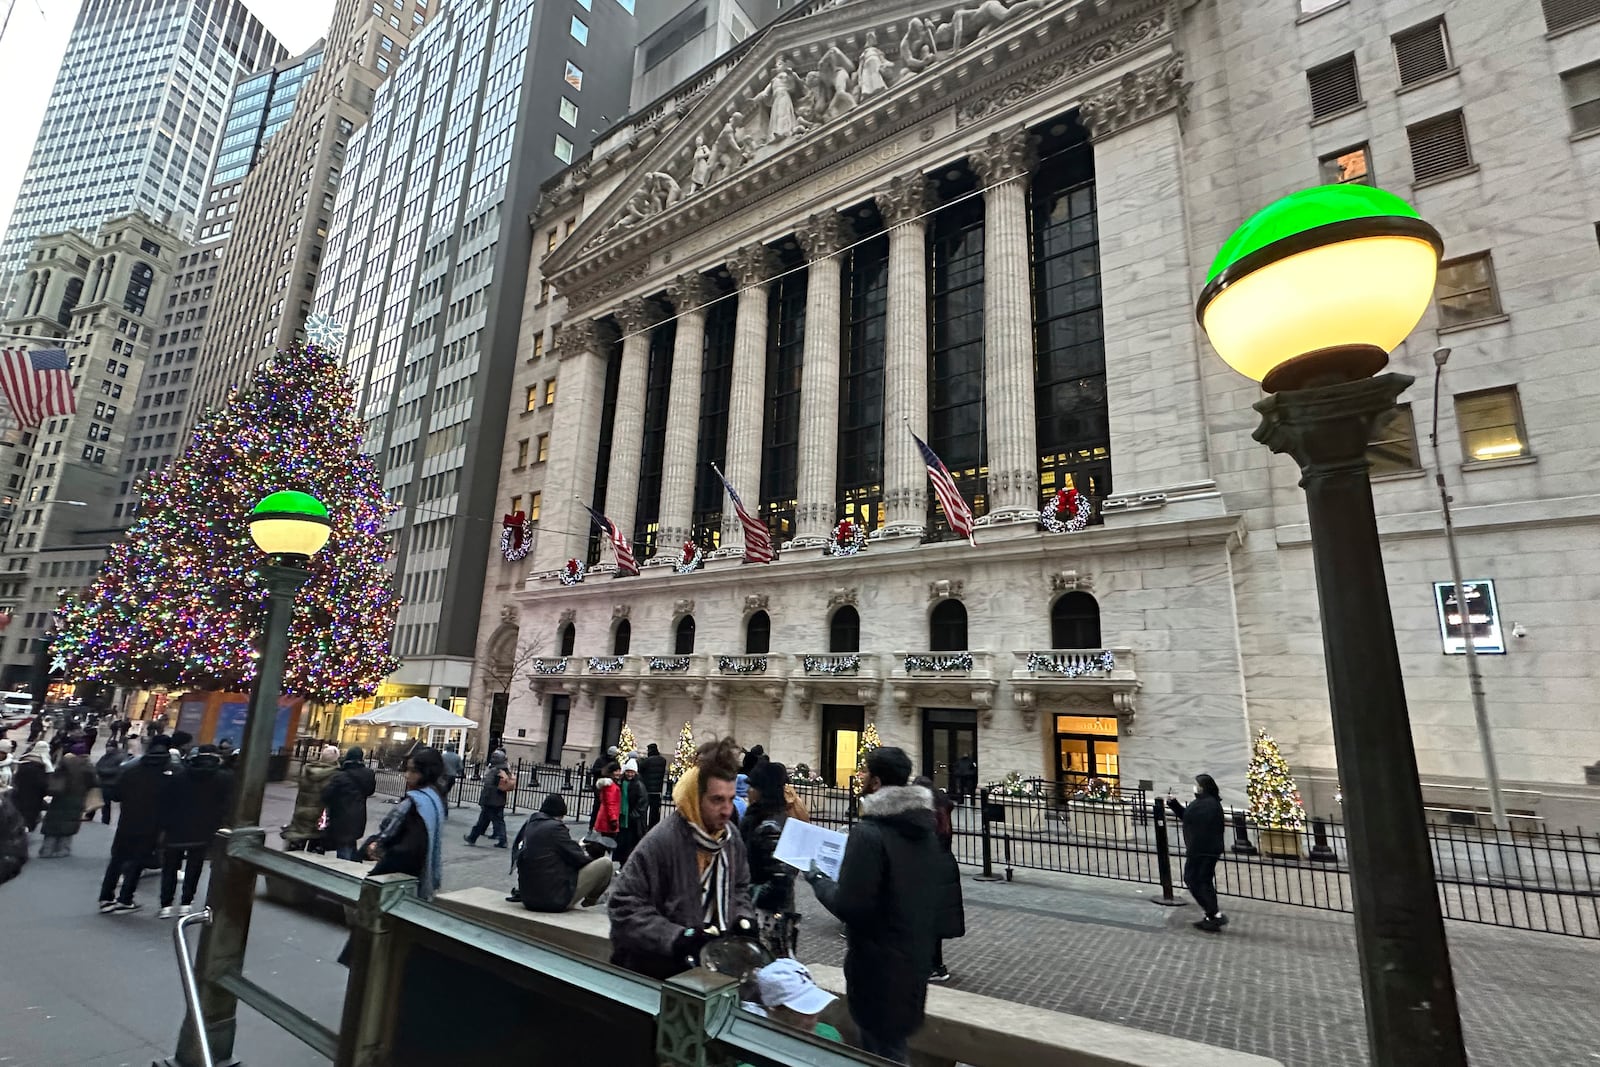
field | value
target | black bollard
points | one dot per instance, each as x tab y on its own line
988	813
1321	851
1241	836
1164	858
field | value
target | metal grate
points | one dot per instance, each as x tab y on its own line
1334	87
1422	52
1439	146
1564	14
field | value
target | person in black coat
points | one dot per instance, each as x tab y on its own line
30	784
771	880
197	806
653	773
344	798
897	895
1204	833
145	789
13	840
109	770
554	873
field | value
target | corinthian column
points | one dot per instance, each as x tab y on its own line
638	319
821	237
690	293
1008	379
747	402
582	348
905	372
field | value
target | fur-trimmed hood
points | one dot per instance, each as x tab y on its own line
907	809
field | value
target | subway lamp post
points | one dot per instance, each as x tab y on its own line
289	528
1309	297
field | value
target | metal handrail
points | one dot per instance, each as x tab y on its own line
191	987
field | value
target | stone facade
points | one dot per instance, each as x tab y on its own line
1196	114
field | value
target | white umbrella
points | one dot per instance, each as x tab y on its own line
413	712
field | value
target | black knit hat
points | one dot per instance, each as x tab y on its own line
769	778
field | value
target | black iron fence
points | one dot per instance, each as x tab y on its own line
1527	878
535	781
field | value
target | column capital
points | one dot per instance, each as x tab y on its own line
822	235
690	291
904	198
1136	96
580	338
1005	154
753	265
639	314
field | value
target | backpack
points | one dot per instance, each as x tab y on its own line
507	782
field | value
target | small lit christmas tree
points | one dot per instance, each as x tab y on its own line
1274	798
683	758
180	602
869	741
626	744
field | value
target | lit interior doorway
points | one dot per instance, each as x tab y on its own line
1086	747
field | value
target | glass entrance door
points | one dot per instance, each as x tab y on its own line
611	726
1086	747
948	735
842	725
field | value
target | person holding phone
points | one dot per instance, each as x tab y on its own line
1203	838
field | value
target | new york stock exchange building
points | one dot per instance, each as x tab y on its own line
983	224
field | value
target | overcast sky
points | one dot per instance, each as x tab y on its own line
31	49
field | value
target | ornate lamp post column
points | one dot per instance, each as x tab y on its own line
1309	297
289	528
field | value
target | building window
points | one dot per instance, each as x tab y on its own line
1582	87
544	448
533	398
622	638
538	344
1466	291
683	637
1422	52
549	391
861	385
1439	147
758	634
956	429
780	449
711	442
947	627
1392	448
1353	165
1491	427
563	151
522	453
580	30
1564	14
516	503
1334	86
569	112
535	502
1075	621
567	637
574	75
658	380
550	241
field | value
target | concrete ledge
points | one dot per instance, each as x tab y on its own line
961	1027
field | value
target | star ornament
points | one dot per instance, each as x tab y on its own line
324	332
58	663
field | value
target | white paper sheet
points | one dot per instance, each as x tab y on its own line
802	842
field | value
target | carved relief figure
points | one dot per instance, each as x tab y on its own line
815	102
968	24
731	150
917	48
662	190
836	68
876	73
700	171
779	97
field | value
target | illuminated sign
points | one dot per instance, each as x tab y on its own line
1482	610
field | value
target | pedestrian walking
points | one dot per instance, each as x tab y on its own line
944	832
653	773
30	783
344	799
198	803
964	777
632	810
497	782
554	873
1204	833
70	786
771	880
304	831
453	773
688	880
893	895
108	768
608	804
146	792
13	839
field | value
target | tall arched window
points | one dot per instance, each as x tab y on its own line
1075	622
139	279
622	638
567	636
947	627
683	641
844	630
758	635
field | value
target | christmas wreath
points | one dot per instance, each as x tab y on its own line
847	539
573	572
516	536
693	559
1067	512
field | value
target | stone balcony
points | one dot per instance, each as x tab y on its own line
833	678
950	679
1075	679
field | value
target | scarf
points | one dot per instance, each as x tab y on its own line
716	890
622	803
427	804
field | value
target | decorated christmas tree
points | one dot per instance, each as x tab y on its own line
869	741
626	744
683	758
179	602
1274	798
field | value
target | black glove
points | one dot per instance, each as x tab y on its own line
688	943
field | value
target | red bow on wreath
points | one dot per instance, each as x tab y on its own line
513	522
690	550
1066	502
572	567
846	529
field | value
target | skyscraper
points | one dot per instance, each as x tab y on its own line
425	267
134	116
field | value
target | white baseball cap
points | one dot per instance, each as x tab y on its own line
785	983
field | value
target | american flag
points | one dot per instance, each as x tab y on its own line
956	510
620	546
38	382
757	539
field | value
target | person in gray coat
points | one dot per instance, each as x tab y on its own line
492	802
